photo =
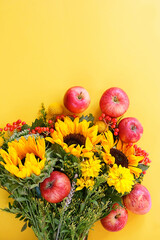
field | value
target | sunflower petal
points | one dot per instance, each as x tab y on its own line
134	160
88	144
119	145
110	138
135	170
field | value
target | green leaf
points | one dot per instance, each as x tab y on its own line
82	207
10	206
24	227
21	199
88	118
143	167
34	185
18	215
24	127
58	150
56	221
95	202
37	123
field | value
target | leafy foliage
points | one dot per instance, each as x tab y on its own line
88	118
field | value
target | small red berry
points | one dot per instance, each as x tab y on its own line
103	115
100	118
19	121
47	129
107	117
51	130
33	131
50	121
15	126
19	128
130	144
23	123
116	129
144	172
8	125
115	133
114	120
135	146
14	123
6	129
36	128
11	129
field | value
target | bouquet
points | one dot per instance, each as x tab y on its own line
64	171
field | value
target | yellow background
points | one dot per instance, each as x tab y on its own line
47	46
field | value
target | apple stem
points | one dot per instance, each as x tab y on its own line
118	215
115	99
133	127
80	96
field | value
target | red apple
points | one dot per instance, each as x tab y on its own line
56	187
116	219
76	99
138	200
130	130
114	102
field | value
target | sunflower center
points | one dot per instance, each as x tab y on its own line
120	158
74	138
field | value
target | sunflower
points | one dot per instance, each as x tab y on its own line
24	157
75	137
121	178
121	154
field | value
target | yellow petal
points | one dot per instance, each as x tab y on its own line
5	156
63	128
108	159
12	168
41	147
88	154
130	151
42	163
119	145
134	160
70	125
135	170
49	139
13	155
110	138
30	157
88	144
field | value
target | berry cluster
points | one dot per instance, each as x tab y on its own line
60	117
15	125
140	152
110	122
44	130
40	130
